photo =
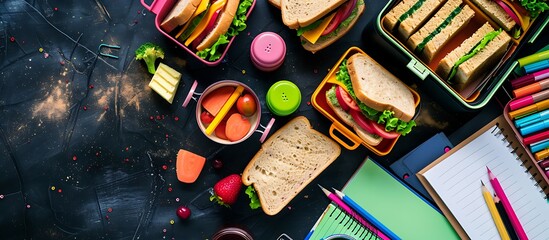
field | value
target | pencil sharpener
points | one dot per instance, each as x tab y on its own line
229	129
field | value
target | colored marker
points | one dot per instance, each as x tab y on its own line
532	128
536	57
527	100
532	118
542	154
536	147
531	88
536	107
530	68
544	164
536	137
529	78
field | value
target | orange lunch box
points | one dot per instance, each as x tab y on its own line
318	101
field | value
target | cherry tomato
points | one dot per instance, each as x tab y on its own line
347	99
246	105
380	130
206	117
362	121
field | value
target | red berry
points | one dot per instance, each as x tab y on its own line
217	164
227	189
183	212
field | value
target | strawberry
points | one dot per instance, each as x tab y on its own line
225	192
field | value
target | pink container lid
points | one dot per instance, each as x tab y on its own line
268	51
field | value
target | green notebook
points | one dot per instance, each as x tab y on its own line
390	201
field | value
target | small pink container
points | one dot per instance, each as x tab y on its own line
162	7
268	51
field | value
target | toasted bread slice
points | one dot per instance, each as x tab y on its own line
378	88
224	21
289	160
496	13
437	41
415	20
367	137
301	13
180	14
445	65
275	3
327	40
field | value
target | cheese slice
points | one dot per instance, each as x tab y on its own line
165	82
204	22
314	34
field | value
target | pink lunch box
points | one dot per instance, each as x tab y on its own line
162	7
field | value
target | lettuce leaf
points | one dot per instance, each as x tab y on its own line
302	30
238	25
535	7
254	199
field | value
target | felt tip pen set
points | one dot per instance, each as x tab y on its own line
528	112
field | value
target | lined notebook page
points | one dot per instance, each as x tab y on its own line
457	181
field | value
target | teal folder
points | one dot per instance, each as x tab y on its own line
393	203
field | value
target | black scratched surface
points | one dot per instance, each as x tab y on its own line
87	150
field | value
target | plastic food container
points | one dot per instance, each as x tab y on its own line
471	98
162	7
318	101
268	51
254	119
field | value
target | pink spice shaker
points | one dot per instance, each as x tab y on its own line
268	51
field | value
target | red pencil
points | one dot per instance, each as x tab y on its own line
507	205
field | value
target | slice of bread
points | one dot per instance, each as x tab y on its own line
439	40
324	42
378	88
180	14
289	160
445	65
301	13
367	137
484	60
496	13
275	3
224	21
412	22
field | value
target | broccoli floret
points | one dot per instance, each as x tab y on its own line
149	52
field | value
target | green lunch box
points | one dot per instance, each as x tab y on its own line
474	98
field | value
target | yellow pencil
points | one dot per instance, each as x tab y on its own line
494	212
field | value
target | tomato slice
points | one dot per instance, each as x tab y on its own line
343	13
380	130
334	23
207	30
362	121
347	99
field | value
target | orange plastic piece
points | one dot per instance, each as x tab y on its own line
188	166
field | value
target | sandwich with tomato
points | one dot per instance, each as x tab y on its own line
206	26
320	23
375	103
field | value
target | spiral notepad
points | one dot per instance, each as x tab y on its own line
454	182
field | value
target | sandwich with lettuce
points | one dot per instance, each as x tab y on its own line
474	56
